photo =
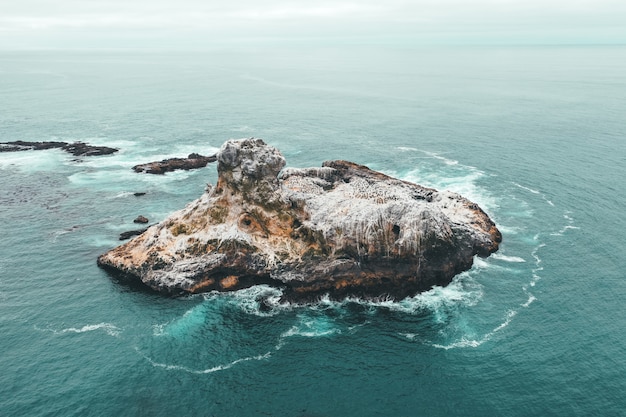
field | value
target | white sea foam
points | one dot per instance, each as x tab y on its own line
461	179
530	300
463	343
569	226
563	230
441	301
59	233
535	253
123	194
101	241
466	342
192	319
462	291
118	180
538	261
536	192
534	280
312	327
33	161
505	258
527	188
508	230
509	316
353	329
110	329
116	160
114	171
482	264
217	368
259	300
439	157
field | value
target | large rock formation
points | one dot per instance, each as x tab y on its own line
341	230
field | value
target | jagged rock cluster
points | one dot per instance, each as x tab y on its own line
192	161
76	148
342	230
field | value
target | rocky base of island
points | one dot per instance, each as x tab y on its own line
339	230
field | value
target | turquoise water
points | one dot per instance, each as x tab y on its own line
535	135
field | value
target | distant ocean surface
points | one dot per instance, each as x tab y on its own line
535	135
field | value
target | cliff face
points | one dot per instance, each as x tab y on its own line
341	230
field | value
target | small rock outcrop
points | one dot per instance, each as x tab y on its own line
192	161
141	219
341	229
76	148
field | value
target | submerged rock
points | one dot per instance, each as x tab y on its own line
341	229
192	161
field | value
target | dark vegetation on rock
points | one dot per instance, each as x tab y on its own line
341	230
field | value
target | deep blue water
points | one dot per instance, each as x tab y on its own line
535	135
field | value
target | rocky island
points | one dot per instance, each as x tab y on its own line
341	229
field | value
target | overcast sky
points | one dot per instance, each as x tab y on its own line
194	23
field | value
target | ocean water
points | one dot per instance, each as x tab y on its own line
535	135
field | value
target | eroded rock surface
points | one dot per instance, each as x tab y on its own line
341	229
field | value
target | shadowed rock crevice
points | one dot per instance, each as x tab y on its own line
341	229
